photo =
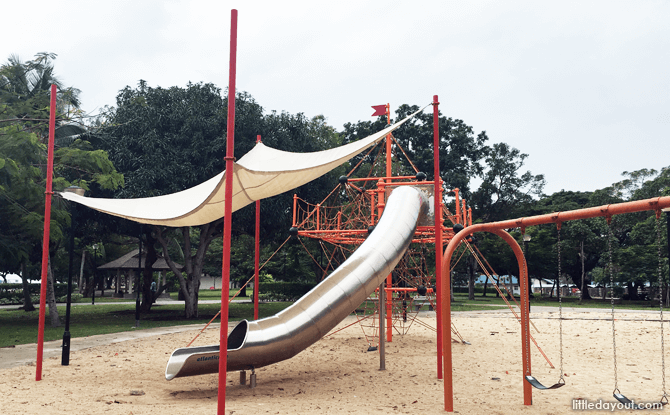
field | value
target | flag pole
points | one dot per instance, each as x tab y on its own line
227	220
47	230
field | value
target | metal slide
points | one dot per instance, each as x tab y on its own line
270	340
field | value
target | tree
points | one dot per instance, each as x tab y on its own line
167	140
505	191
503	194
24	106
461	151
24	94
637	254
164	141
581	241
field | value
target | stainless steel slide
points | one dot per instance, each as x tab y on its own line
259	343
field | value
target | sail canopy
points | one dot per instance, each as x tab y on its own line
262	172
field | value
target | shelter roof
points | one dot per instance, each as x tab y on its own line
129	261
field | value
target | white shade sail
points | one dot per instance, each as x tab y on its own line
263	172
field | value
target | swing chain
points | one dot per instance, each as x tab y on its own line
610	267
525	294
560	305
664	398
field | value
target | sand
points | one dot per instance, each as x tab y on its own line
336	375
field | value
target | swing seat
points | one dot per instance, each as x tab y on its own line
622	398
537	385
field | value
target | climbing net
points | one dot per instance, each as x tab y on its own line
343	220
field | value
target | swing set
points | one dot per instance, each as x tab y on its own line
498	228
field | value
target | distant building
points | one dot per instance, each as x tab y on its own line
11	279
513	282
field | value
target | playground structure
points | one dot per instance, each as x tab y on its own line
259	343
498	228
214	190
359	223
344	219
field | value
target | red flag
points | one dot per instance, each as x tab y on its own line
379	110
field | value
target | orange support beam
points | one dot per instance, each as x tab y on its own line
497	228
464	211
458	206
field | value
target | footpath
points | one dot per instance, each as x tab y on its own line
25	354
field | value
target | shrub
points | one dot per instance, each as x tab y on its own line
74	298
283	291
15	291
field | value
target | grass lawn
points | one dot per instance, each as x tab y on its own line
369	306
20	327
214	295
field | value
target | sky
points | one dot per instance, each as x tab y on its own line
581	87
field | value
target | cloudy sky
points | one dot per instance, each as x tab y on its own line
582	87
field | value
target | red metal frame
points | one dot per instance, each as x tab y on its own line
389	278
227	220
497	228
438	228
47	231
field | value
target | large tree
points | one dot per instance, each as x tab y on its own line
461	150
636	251
505	190
165	141
169	139
24	106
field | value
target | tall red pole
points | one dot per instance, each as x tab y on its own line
47	231
389	278
227	220
438	229
258	251
443	284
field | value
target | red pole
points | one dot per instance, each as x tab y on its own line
438	229
227	220
458	205
525	317
465	213
295	206
389	278
47	231
258	253
446	334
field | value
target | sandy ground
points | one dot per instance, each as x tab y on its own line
336	375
